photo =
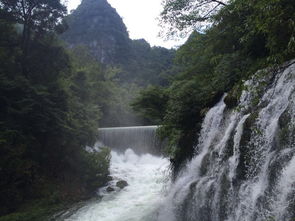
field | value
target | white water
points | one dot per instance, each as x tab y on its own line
240	175
142	139
146	175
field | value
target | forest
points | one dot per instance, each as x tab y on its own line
49	112
56	89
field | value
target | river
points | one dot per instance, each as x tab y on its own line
147	176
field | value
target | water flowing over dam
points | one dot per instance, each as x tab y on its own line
135	159
141	139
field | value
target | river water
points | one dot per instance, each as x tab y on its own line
147	177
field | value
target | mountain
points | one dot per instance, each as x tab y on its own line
98	26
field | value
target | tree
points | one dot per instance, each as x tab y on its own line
38	16
151	103
180	17
46	120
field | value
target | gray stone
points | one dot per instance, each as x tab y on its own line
121	184
110	189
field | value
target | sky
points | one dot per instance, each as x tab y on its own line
140	17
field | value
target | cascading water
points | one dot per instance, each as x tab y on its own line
142	139
147	176
137	201
244	167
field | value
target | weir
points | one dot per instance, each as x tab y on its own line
141	139
135	158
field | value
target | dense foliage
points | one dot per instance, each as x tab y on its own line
50	108
245	36
53	99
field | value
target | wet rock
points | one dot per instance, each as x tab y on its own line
109	178
232	98
231	101
121	184
110	189
245	147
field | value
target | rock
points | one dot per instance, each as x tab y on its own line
110	189
232	98
109	178
121	184
230	101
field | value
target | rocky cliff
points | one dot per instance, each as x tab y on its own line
98	26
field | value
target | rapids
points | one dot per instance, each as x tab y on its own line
146	175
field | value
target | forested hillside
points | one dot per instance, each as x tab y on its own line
241	37
54	96
50	108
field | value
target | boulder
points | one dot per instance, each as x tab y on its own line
110	189
109	178
121	184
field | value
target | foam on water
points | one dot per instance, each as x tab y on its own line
146	175
141	139
239	175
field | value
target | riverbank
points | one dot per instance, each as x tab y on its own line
36	211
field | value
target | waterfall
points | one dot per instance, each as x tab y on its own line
141	139
244	163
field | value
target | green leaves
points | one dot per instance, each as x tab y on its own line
181	17
39	16
152	103
46	119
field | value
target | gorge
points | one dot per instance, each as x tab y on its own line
96	126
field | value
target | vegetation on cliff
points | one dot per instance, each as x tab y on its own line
243	36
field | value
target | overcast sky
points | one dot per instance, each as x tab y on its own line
140	17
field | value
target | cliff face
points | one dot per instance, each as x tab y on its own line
98	26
